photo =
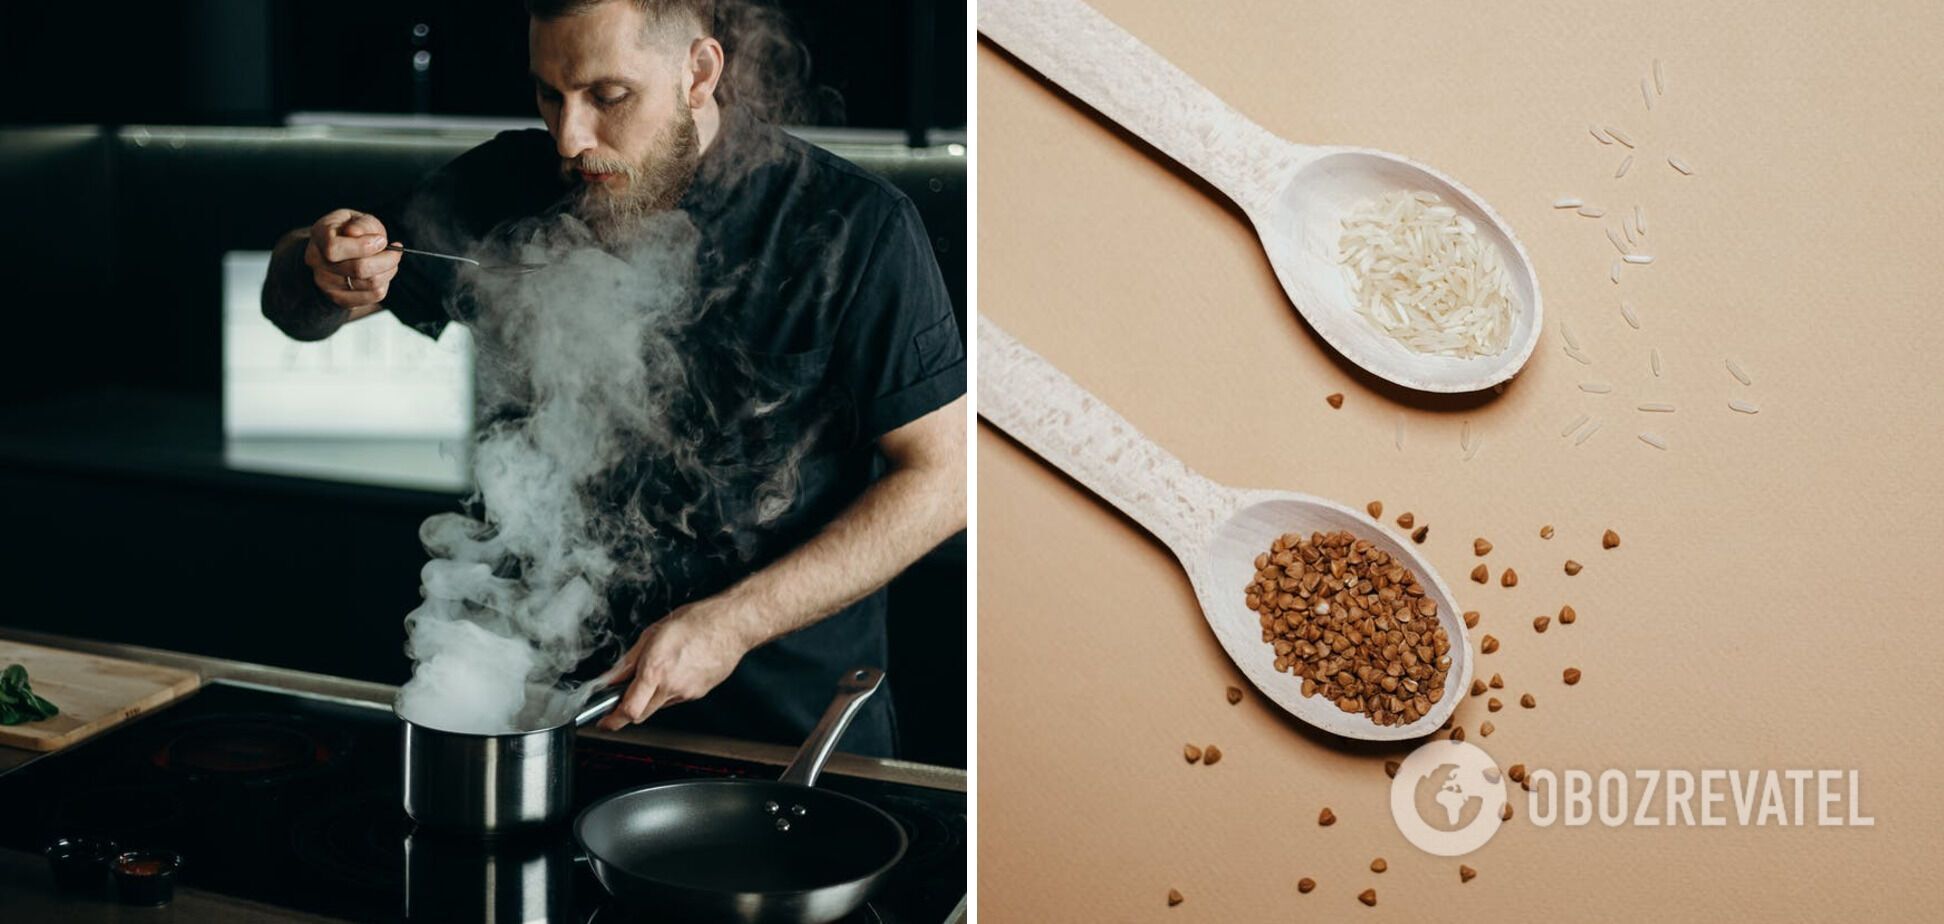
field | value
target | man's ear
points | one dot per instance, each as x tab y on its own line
705	63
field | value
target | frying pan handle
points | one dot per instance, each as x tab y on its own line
853	689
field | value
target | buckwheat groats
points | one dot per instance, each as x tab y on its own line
1353	624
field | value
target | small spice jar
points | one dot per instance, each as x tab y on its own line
146	877
79	864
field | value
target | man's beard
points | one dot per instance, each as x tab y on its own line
656	184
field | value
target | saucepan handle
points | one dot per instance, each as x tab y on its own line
853	689
602	703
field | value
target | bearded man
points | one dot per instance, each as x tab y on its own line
811	277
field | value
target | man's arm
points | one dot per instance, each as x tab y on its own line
327	275
916	505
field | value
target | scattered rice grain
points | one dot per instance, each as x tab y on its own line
1653	439
1578	422
1591	212
1647	93
1587	434
1660	79
1640	220
1626	311
1658	408
1618	244
1624	166
1597	136
1567	203
1566	331
1595	388
1653	356
1642	258
1736	371
1617	136
1674	160
1582	357
1615	274
1743	407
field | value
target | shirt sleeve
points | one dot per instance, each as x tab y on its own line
898	351
419	292
449	211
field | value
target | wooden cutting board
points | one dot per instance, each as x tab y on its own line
93	693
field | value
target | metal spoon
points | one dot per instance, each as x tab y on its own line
1296	195
508	269
1214	530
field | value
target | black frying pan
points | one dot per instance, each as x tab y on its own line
748	850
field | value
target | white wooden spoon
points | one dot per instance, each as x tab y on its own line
1296	195
1215	531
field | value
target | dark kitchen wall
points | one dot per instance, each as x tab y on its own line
895	64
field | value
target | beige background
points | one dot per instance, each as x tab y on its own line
1775	600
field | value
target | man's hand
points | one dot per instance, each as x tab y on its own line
680	658
349	262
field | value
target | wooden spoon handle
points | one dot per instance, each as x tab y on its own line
1038	405
1074	46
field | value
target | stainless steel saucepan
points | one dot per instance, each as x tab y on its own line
494	784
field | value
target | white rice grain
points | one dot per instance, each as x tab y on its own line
1464	436
1591	212
1595	129
1653	356
1420	272
1647	93
1660	79
1595	388
1566	333
1575	425
1623	167
1473	450
1736	371
1641	258
1567	203
1743	406
1626	311
1640	220
1587	434
1617	136
1675	161
1615	274
1584	360
1657	408
1653	439
1618	244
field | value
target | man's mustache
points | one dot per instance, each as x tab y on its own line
574	168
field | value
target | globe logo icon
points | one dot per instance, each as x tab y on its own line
1447	796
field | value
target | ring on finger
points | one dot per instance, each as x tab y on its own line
349	284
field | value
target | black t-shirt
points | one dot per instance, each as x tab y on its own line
821	277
